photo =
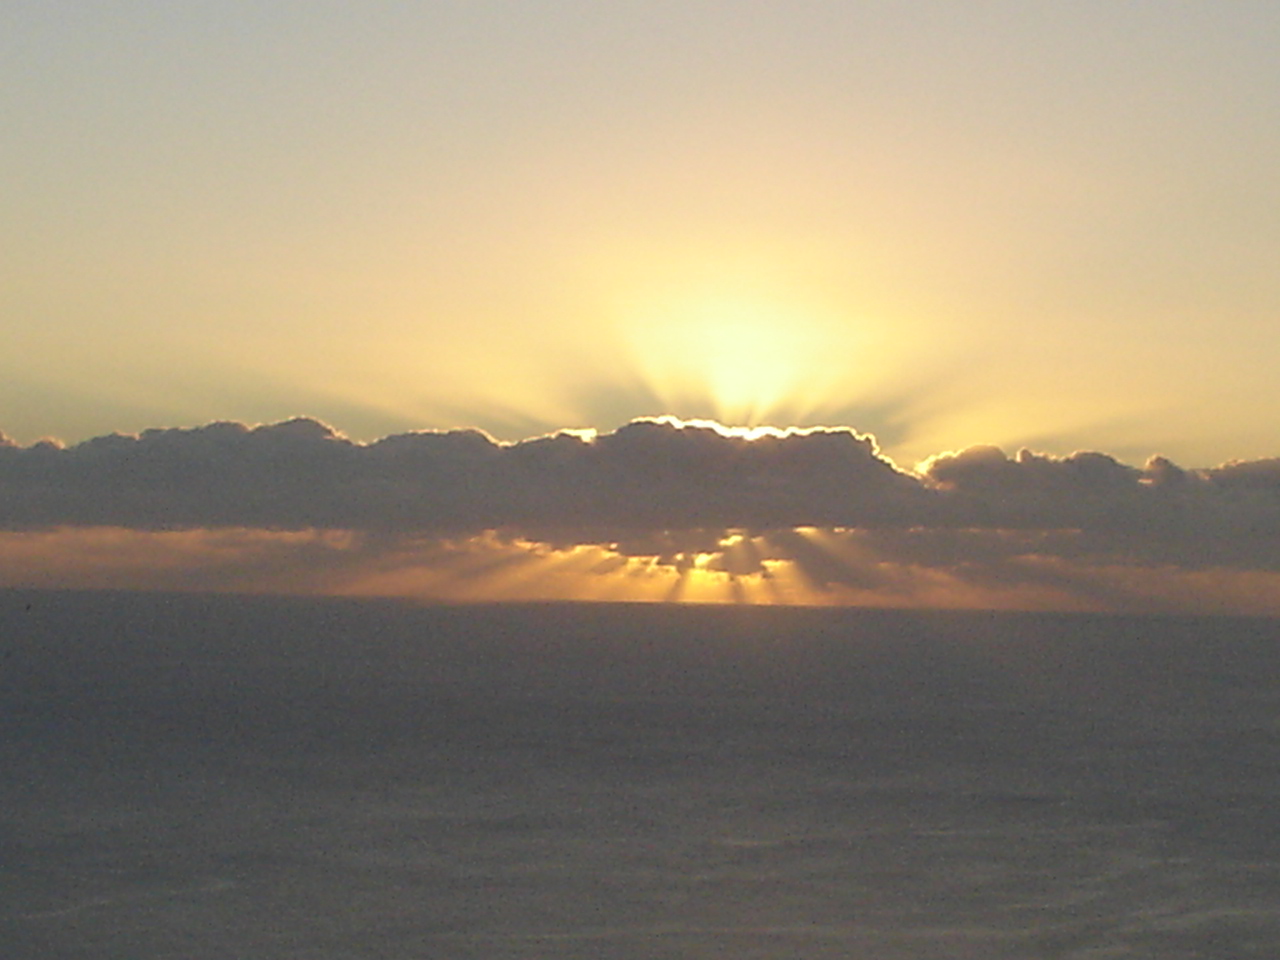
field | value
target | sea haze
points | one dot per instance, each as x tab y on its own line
205	777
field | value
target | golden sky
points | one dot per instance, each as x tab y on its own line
1042	224
1046	223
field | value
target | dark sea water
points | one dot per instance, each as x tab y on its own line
210	778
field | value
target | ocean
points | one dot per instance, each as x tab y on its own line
213	777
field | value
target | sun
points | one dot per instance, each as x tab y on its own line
749	362
737	356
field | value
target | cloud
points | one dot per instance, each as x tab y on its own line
650	474
657	508
1160	513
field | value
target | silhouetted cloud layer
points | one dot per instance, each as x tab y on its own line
823	501
646	476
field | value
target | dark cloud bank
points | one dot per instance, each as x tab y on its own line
647	480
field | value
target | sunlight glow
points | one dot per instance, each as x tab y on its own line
811	566
740	355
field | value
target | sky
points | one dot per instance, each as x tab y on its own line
934	227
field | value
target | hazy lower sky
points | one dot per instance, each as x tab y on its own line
1044	223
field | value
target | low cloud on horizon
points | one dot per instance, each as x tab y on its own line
658	508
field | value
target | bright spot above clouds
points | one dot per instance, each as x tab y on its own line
744	354
753	360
